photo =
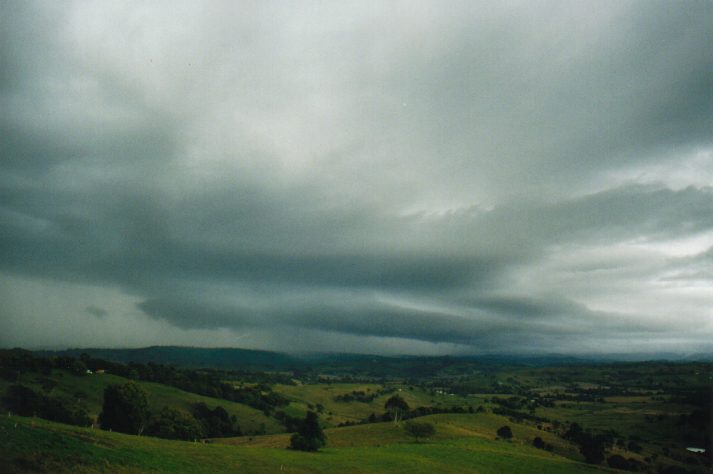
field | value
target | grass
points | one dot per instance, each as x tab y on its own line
449	428
462	443
28	444
335	412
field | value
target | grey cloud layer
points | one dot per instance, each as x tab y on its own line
432	173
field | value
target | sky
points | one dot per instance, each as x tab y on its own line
395	177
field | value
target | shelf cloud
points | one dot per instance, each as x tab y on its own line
405	177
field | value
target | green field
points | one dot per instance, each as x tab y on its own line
28	444
645	414
336	412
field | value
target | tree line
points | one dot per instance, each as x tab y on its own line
14	362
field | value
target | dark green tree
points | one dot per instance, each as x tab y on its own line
26	402
504	432
216	422
396	406
170	423
310	436
592	448
419	429
78	368
125	409
23	400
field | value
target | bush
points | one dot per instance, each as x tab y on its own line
300	443
419	430
634	447
504	432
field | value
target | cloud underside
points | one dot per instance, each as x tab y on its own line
491	177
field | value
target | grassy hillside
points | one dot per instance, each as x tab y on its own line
642	416
449	427
336	412
28	444
90	389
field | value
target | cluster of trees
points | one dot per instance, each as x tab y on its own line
291	423
397	409
620	462
358	396
518	416
24	401
170	423
210	383
125	409
592	446
216	422
14	362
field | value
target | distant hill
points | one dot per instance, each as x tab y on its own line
195	357
347	363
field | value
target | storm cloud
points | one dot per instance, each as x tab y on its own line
364	176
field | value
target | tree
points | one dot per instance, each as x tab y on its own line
26	402
396	406
125	409
419	429
78	368
22	400
216	422
592	448
310	436
173	424
504	432
620	462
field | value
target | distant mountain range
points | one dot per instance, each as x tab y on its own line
247	359
218	358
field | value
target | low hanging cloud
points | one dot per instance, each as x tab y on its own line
471	177
96	311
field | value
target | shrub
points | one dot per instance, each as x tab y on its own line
419	429
620	462
504	432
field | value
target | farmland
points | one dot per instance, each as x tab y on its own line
586	417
